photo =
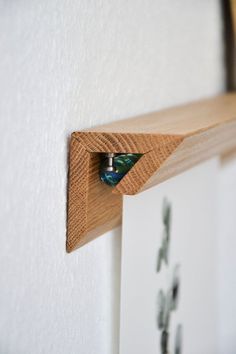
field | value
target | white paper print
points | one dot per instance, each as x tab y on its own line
168	286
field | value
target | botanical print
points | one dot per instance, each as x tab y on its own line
166	288
168	301
163	253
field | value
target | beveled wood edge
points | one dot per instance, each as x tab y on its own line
81	227
77	194
164	156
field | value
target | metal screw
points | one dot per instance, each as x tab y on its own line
109	163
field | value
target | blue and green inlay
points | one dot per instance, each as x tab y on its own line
121	164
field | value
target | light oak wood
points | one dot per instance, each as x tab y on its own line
171	141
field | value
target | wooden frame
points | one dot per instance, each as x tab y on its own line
171	141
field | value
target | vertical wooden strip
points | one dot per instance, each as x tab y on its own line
77	194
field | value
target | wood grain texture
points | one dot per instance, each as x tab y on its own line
171	141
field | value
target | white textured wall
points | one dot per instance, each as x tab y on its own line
66	65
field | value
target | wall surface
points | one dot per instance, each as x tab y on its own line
64	66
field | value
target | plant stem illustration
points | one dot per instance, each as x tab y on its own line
168	301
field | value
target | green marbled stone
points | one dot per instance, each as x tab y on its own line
122	163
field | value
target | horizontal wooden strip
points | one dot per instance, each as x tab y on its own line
170	140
